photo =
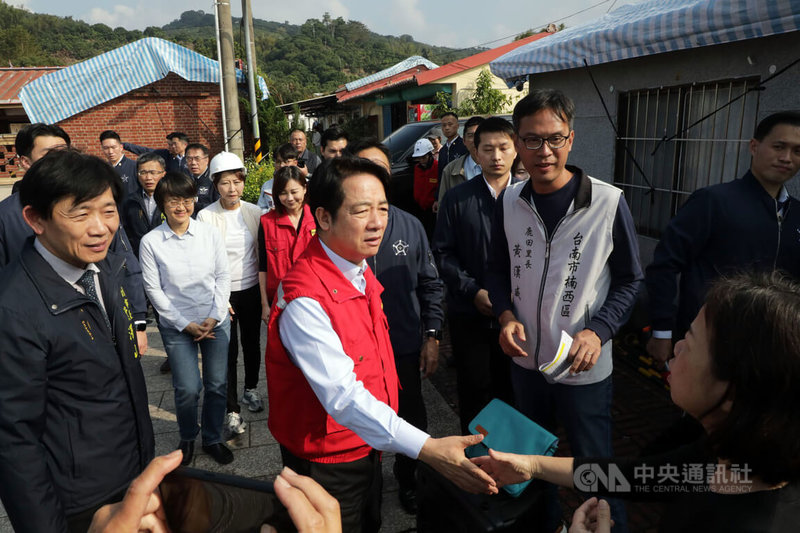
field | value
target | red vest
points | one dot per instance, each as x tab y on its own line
284	244
426	181
296	418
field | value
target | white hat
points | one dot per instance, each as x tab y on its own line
422	147
226	161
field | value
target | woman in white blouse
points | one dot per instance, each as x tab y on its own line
186	277
238	223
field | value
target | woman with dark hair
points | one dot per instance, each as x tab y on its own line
237	221
186	277
284	233
518	170
737	372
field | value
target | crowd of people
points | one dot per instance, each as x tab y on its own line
512	247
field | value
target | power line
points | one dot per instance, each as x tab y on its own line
527	29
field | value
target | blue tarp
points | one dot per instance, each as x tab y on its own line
402	66
66	92
650	27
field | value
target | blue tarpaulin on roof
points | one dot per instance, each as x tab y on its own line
651	27
402	66
54	97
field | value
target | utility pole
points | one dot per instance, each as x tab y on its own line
230	96
249	37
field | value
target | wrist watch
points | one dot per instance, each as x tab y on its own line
141	326
433	334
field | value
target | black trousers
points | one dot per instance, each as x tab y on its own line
482	369
356	485
412	410
247	316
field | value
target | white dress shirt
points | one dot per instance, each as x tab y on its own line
315	348
149	205
186	277
70	273
471	168
491	189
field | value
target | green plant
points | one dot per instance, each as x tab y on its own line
485	100
257	174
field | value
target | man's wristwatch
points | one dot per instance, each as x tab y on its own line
141	326
433	334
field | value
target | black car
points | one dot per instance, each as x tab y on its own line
401	145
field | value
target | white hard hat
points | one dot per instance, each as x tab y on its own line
226	161
422	147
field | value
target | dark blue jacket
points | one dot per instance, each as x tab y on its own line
446	155
412	291
206	192
14	232
174	163
134	218
720	229
75	427
126	170
461	244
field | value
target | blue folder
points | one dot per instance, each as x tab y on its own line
505	429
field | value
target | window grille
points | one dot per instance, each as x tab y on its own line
714	151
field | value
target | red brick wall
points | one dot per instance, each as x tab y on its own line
145	116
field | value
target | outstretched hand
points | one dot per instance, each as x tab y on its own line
446	456
506	468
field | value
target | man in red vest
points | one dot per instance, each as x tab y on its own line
331	374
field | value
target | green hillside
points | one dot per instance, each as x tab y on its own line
297	60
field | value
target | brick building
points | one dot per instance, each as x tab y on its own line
145	116
143	91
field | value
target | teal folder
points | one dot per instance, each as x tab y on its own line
505	429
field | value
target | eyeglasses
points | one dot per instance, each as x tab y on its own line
192	158
186	202
154	173
555	142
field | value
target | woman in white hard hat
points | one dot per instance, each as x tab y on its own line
238	223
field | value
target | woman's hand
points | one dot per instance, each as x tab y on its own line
507	468
265	314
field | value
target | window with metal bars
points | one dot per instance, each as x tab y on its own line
713	151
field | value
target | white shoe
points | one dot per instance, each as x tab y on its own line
234	425
252	400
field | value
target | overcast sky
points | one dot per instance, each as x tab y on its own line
438	22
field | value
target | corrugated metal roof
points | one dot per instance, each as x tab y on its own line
402	66
13	79
473	61
651	27
58	95
401	78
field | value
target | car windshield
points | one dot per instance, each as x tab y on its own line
401	142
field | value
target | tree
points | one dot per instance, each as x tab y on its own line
485	100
